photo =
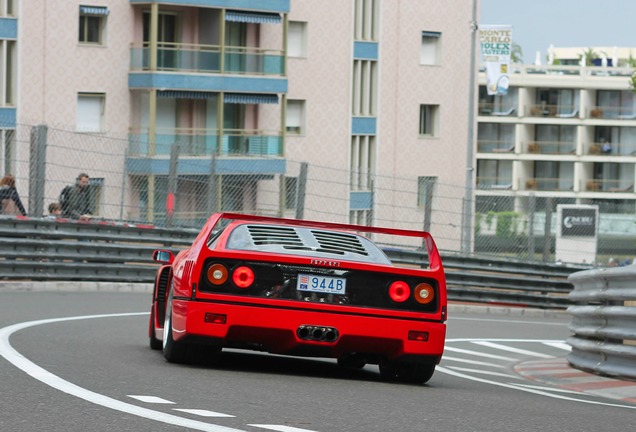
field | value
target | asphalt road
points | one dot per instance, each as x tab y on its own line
61	372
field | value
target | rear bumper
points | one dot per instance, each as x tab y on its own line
276	330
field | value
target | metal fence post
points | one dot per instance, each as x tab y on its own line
547	232
532	202
301	191
172	184
37	170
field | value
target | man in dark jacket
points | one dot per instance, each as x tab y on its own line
77	200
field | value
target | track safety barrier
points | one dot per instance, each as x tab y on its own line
40	249
603	322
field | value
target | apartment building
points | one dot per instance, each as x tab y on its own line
375	90
563	134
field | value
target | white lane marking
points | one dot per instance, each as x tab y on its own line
484	372
475	362
203	413
559	345
479	354
529	390
543	341
558	390
30	368
151	399
511	349
280	428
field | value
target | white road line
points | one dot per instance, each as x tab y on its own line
203	413
558	390
503	320
511	349
560	345
479	354
475	362
484	372
30	368
151	399
280	428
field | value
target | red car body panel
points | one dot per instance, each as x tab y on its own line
273	324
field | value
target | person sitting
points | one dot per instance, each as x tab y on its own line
55	211
606	147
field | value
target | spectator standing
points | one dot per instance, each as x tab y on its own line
77	200
10	203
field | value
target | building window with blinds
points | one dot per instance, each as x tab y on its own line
90	112
92	24
429	120
295	118
430	52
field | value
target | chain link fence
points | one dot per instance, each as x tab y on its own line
188	185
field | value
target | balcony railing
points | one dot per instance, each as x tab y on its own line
613	112
491	146
551	147
611	149
609	185
205	142
175	57
560	111
490	109
549	184
494	183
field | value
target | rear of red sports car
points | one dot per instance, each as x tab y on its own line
301	288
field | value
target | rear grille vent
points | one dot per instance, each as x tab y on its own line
339	242
268	235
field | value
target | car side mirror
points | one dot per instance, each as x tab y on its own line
163	256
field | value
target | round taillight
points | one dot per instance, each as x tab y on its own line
424	293
217	274
243	277
399	291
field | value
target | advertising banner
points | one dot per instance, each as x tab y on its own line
496	46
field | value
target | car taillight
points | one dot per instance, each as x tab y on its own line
399	291
424	293
243	277
217	274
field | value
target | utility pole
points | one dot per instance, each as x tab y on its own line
467	207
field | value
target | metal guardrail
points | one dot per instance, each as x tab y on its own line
604	321
64	250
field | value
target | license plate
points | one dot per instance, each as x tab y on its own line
321	284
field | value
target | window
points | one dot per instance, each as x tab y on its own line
429	54
297	39
429	119
92	24
366	20
365	84
90	112
291	192
295	119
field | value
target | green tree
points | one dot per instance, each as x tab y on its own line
589	55
516	53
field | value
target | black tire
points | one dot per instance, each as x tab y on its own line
173	351
155	344
413	373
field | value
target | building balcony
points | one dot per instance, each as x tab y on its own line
213	59
549	184
494	183
612	112
551	147
609	185
491	109
560	111
205	142
492	146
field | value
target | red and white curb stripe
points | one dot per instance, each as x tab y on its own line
559	373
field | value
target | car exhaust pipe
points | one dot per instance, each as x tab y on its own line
317	333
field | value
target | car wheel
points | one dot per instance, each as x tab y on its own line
173	351
155	344
414	373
